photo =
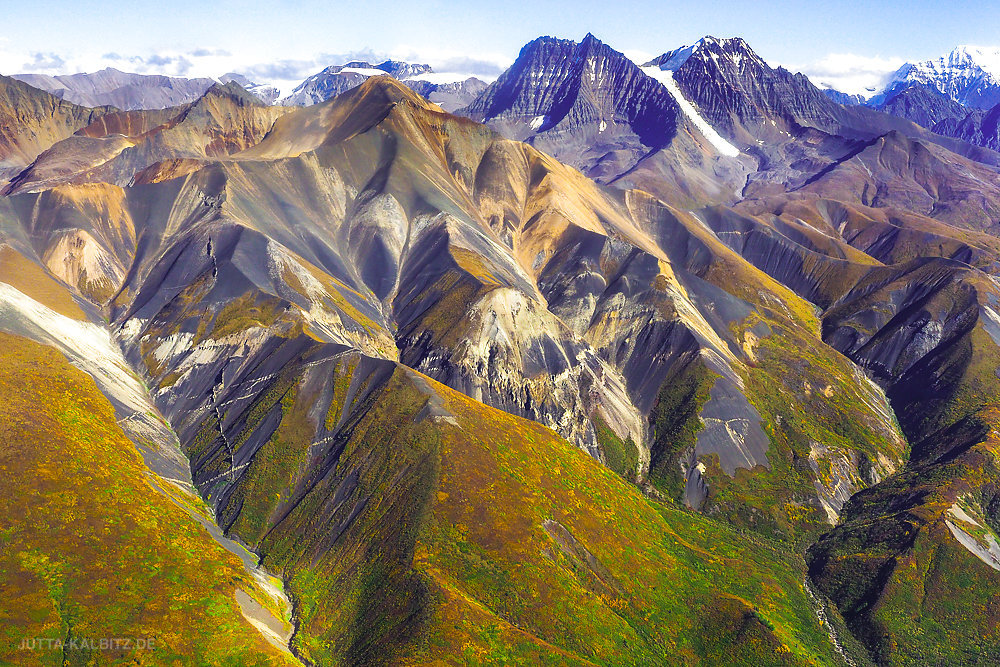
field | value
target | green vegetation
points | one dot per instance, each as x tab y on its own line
482	538
247	311
908	589
90	549
814	411
676	422
622	456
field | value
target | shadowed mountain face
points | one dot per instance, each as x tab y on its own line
978	126
578	85
469	403
735	88
924	106
591	107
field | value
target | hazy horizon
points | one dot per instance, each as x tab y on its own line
282	42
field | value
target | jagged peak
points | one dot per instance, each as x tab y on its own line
402	69
588	46
542	42
735	49
967	74
231	90
965	57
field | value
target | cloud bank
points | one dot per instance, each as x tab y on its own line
851	73
283	73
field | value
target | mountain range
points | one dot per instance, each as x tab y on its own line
684	362
131	92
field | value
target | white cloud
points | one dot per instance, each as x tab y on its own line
638	57
283	73
486	66
851	73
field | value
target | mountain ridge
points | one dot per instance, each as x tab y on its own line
586	389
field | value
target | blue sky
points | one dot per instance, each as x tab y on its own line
284	40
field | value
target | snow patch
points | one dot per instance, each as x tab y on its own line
363	71
666	77
537	122
985	547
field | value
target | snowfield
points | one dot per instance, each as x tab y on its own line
666	77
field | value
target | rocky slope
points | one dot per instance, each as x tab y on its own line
336	79
32	120
967	75
121	145
288	306
473	405
591	107
924	105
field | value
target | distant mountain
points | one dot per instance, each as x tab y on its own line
337	79
923	104
31	120
111	87
968	75
403	70
956	95
450	95
266	94
843	98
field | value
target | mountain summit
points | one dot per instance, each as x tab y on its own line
587	88
675	364
969	75
735	89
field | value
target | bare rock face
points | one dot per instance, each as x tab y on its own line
118	146
565	93
924	105
978	126
594	109
732	85
32	120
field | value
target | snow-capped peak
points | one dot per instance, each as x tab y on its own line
733	49
968	74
